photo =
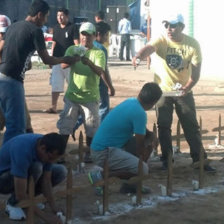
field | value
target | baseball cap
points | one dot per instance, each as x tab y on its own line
4	23
174	18
87	27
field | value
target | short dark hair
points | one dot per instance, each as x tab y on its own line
38	6
126	15
64	10
150	93
100	14
54	142
102	27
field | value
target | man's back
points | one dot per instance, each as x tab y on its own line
120	124
21	40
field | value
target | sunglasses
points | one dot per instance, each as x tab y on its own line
172	26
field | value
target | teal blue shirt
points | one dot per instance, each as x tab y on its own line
125	120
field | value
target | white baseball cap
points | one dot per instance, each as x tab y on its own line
174	18
87	27
4	23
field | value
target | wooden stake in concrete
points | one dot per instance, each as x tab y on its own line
30	213
80	151
170	174
139	184
220	128
178	137
106	187
201	167
200	122
155	139
69	195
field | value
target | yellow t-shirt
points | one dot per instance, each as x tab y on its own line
173	60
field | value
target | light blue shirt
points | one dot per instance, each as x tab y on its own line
120	124
124	26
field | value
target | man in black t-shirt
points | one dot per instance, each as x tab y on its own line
20	41
65	34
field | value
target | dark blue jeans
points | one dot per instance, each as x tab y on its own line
13	106
185	110
59	173
125	41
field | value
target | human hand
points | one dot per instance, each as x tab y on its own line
135	62
184	90
71	59
111	91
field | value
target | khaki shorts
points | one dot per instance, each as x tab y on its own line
118	160
70	114
58	76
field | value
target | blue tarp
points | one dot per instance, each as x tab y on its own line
135	14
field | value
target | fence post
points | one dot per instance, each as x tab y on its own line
69	195
155	139
170	174
201	168
178	136
220	128
30	213
80	151
139	184
106	187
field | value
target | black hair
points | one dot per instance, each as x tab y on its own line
150	93
100	14
126	15
38	6
64	10
102	27
54	142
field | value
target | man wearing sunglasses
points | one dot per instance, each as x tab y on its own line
178	64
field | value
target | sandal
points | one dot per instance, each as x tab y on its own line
50	111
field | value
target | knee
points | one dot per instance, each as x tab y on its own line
59	173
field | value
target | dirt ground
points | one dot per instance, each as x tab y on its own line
186	205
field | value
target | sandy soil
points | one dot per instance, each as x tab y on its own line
186	205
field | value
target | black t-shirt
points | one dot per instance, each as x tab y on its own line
64	38
21	40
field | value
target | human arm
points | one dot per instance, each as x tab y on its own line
20	185
1	48
143	53
99	71
51	60
142	149
108	79
47	191
195	75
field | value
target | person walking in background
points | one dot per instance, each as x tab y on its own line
179	58
20	42
124	28
65	34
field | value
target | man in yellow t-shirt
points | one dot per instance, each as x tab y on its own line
177	71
